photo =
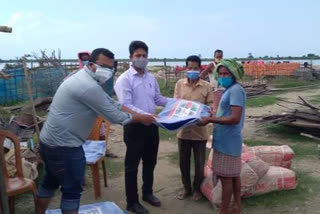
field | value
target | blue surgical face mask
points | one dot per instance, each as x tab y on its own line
85	62
226	82
193	74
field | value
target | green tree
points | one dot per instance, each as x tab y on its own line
250	56
311	55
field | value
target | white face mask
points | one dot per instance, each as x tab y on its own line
103	74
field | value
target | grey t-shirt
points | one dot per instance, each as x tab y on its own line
75	106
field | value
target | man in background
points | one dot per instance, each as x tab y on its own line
193	137
208	72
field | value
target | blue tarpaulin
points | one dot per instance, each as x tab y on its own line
179	113
45	82
98	208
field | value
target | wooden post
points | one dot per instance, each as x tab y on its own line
4	207
165	72
34	113
3	193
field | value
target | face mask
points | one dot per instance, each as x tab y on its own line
193	75
103	74
140	63
225	82
217	60
85	62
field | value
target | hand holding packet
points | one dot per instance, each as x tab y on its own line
180	113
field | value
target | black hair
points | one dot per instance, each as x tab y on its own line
193	58
134	45
96	53
218	51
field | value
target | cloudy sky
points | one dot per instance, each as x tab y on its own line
170	28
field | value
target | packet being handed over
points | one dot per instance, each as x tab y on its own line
179	113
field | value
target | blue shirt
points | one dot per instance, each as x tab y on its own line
227	139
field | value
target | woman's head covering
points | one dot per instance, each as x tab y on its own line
233	67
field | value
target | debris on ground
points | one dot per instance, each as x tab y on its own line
305	119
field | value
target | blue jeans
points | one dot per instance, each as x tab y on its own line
65	167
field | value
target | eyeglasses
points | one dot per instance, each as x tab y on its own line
105	66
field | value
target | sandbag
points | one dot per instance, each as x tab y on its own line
273	155
211	192
252	169
277	178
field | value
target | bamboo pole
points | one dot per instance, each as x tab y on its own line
4	207
165	71
29	88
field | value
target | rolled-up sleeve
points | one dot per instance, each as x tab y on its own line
96	99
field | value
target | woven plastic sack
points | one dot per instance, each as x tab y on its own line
277	178
252	169
273	155
211	192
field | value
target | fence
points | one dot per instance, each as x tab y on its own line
45	82
254	73
258	71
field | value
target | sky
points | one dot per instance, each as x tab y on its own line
170	28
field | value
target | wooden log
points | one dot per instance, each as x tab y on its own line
308	104
303	124
5	29
34	113
307	117
310	136
4	207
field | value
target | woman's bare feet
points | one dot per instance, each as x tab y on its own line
197	195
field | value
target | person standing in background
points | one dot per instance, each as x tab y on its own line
208	72
193	137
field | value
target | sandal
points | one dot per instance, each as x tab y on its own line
183	194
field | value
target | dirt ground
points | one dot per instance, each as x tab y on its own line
167	175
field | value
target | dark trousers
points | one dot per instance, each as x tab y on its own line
65	167
142	143
199	151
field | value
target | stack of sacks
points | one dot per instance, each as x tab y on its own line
273	155
257	176
253	168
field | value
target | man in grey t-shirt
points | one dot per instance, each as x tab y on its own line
76	104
